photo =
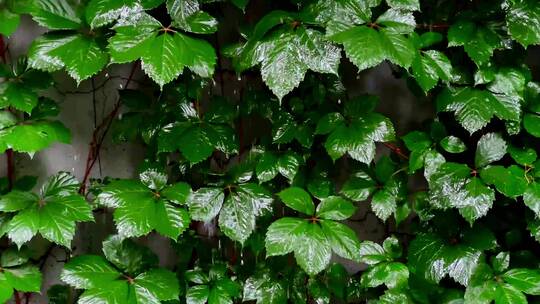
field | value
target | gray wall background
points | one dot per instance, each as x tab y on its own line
120	161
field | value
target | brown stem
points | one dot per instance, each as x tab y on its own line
18	299
396	150
98	139
9	152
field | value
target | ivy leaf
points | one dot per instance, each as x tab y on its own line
240	210
411	5
197	140
262	288
270	165
474	108
453	144
358	187
89	271
479	42
491	148
293	54
140	209
433	259
357	138
506	293
391	274
366	47
10	23
521	12
297	199
335	208
156	285
103	12
430	66
127	255
525	280
531	123
205	203
531	198
343	239
312	249
18	96
188	16
158	49
34	136
81	56
282	235
509	181
53	213
56	15
451	186
384	201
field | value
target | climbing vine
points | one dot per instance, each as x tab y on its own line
260	152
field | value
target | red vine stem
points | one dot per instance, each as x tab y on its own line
17	298
98	139
396	150
9	152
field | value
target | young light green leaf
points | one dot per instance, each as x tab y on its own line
297	199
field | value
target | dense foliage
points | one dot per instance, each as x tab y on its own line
281	166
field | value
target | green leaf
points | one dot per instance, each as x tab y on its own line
197	294
115	292
297	199
10	23
508	294
335	208
411	5
359	187
431	258
531	198
26	278
509	181
367	47
103	12
286	56
267	167
531	123
283	234
177	193
89	271
491	148
523	21
479	42
156	285
17	200
153	179
391	274
451	186
186	14
6	291
23	226
205	203
358	137
127	255
384	201
525	156
474	108
343	239
31	138
525	280
164	54
501	261
18	96
55	14
372	253
240	210
452	144
80	56
430	66
171	220
263	289
312	250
